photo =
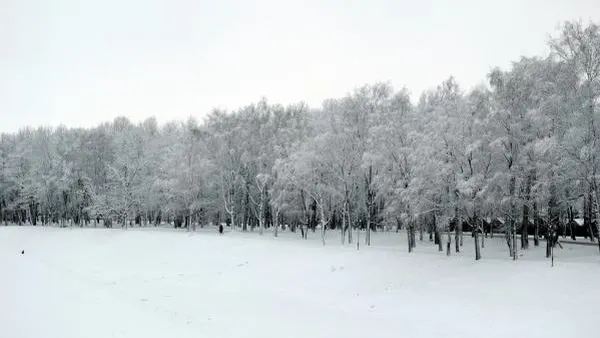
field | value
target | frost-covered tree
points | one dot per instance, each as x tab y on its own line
578	46
521	148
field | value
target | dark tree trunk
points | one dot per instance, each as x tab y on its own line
158	218
409	237
246	211
33	213
430	231
553	219
413	235
525	219
512	219
438	235
343	227
349	225
524	227
457	235
449	243
370	198
313	216
549	237
477	249
587	214
536	225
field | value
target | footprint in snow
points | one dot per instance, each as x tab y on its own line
332	269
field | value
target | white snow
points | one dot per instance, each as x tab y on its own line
165	283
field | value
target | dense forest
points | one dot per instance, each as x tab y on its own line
519	155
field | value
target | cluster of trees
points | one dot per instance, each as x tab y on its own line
524	148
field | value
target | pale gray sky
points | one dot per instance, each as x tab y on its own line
80	63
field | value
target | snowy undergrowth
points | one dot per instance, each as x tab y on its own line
166	283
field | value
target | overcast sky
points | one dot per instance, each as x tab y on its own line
79	63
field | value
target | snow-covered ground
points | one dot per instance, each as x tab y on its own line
165	283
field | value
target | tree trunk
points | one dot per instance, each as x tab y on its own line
232	216
358	238
276	222
525	219
482	238
549	238
192	221
553	219
449	243
430	229
524	227
507	234
457	235
343	228
597	214
588	209
368	232
409	237
349	230
536	225
438	235
261	222
368	181
477	249
512	219
322	221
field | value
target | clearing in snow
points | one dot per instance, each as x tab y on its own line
164	283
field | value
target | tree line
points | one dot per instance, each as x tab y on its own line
521	152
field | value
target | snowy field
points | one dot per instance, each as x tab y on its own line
166	283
